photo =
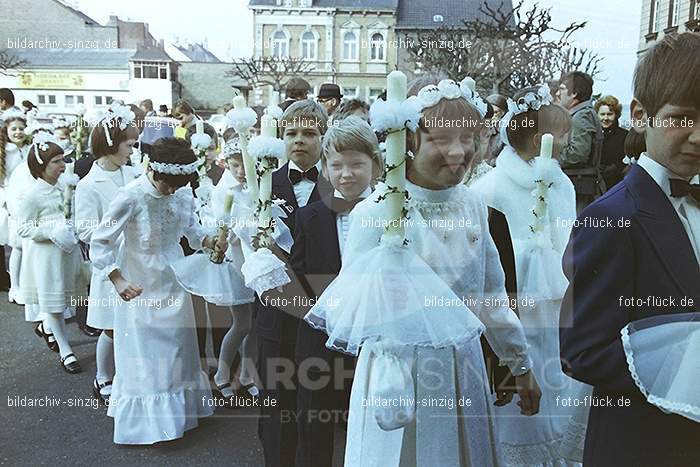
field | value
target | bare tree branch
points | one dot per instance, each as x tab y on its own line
271	71
507	49
10	64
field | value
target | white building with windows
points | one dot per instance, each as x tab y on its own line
59	80
661	17
348	42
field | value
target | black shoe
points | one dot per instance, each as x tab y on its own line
224	401
96	391
244	392
90	331
73	367
48	337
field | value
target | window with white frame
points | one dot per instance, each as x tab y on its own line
696	9
377	47
150	70
280	45
374	93
73	100
657	16
349	92
103	100
676	12
46	99
653	13
305	3
308	45
350	47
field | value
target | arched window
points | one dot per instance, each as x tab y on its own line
280	45
377	47
350	46
308	45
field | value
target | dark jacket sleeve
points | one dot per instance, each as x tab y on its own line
500	377
599	263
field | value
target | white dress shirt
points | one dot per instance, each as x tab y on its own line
303	189
342	219
686	207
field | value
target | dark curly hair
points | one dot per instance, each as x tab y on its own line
173	151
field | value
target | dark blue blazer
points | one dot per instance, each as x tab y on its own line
274	323
315	259
628	244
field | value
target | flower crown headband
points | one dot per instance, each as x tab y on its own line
40	142
13	112
174	169
232	146
117	115
392	116
526	103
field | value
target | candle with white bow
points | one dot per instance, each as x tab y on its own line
199	125
395	158
248	161
268	127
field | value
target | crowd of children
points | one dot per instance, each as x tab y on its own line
488	232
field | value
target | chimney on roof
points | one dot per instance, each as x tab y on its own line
112	20
161	44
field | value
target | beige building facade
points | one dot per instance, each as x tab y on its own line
661	17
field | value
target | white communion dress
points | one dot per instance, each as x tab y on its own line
14	156
92	197
159	389
422	403
511	189
50	274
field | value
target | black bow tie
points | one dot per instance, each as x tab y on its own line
295	176
680	188
342	205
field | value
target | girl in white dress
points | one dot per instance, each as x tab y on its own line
111	145
13	152
540	216
437	384
50	270
159	387
239	337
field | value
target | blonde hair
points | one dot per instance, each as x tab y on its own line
305	110
353	134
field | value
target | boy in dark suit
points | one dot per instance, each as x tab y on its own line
297	183
639	242
351	160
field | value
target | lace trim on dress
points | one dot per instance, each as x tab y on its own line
665	404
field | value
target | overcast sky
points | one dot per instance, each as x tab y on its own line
612	29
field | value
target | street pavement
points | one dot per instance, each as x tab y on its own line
75	432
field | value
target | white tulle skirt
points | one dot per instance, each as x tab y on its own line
220	284
663	357
391	293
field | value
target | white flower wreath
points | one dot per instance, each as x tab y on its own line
13	112
391	116
232	146
117	115
40	142
529	101
174	169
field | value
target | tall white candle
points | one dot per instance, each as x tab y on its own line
275	99
268	129
248	162
200	126
395	156
546	146
471	84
